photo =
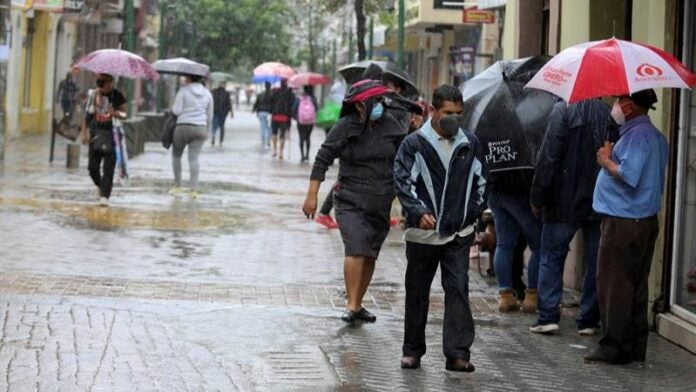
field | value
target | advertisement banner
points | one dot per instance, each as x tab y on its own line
73	5
462	61
48	5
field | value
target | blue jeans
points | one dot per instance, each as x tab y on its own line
513	214
555	238
219	123
265	127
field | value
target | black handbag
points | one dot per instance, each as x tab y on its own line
102	141
168	128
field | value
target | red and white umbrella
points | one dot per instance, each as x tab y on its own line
610	67
274	69
308	79
117	62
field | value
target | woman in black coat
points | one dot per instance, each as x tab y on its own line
365	139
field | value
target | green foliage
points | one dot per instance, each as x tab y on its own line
228	35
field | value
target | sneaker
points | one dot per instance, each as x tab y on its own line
327	221
103	201
590	331
176	190
548	329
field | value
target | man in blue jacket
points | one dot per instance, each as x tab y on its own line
439	176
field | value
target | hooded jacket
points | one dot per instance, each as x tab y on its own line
451	188
193	105
566	169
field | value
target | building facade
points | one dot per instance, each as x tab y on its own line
549	26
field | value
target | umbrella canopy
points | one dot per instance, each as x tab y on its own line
266	78
181	66
220	76
608	68
508	119
274	69
117	62
308	79
354	72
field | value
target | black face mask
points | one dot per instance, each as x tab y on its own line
450	124
101	83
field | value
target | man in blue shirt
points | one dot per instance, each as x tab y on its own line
628	193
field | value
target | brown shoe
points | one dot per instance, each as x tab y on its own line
530	301
410	362
459	365
508	302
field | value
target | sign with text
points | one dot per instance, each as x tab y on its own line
478	16
73	5
48	5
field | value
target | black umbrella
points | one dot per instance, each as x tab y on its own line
508	119
354	72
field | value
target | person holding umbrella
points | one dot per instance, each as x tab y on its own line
262	108
365	139
193	106
628	194
104	104
282	102
306	116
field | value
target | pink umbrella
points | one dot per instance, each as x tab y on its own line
610	68
308	79
274	69
117	62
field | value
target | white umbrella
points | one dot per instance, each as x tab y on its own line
181	66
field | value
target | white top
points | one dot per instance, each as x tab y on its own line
193	105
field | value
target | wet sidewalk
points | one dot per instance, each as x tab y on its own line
235	290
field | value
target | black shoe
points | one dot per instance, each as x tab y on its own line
410	362
600	355
349	316
459	365
366	316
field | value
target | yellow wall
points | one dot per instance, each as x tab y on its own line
511	30
33	117
575	22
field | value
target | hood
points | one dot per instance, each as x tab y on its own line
196	89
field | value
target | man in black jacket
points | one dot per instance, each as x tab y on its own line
222	104
564	179
439	177
262	108
282	102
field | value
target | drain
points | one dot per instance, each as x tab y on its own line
307	366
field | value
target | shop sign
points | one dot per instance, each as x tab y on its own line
48	5
73	5
478	16
462	61
21	4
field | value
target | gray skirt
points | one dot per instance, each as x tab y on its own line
363	221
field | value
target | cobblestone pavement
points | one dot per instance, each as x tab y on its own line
237	291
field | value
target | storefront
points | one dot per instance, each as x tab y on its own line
679	324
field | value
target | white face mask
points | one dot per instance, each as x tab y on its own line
617	114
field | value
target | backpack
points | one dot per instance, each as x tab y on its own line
306	112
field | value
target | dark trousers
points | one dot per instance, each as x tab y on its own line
105	182
458	328
625	254
305	131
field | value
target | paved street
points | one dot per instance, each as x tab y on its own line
235	290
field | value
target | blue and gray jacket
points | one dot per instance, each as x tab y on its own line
452	188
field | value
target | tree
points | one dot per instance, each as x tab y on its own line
230	34
360	7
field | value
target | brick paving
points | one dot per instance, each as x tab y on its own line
238	292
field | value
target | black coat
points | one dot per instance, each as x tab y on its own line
566	168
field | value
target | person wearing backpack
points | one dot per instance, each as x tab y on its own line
306	116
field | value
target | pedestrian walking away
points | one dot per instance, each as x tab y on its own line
282	102
193	106
222	106
262	107
628	194
564	178
306	116
365	139
440	181
66	95
103	105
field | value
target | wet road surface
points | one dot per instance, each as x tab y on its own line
235	290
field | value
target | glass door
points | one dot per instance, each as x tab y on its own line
684	263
